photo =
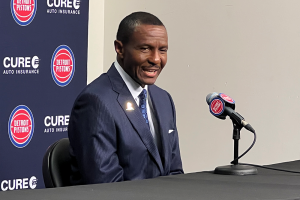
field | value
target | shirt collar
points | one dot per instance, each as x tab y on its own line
134	88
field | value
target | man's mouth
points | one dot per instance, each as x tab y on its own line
150	72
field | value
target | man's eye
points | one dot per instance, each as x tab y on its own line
164	50
145	49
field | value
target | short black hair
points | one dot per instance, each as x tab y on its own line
130	22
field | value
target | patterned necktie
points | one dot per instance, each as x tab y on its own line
143	108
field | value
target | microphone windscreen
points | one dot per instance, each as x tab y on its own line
210	96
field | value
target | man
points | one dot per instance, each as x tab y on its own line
122	127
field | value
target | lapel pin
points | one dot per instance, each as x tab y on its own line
129	106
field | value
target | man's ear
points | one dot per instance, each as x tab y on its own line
119	48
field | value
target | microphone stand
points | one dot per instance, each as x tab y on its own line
236	168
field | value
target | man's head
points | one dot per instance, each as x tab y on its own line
141	46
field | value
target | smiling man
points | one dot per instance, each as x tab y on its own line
122	126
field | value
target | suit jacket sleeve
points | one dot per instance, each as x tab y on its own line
176	164
93	139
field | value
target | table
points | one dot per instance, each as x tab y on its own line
268	184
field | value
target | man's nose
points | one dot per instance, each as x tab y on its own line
155	58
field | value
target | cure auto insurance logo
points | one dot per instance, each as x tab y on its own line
23	11
66	7
19	184
62	65
21	126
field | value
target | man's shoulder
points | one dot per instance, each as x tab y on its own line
99	85
99	89
105	82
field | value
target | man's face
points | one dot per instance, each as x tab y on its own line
145	55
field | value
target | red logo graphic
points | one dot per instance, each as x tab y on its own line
217	107
21	126
227	98
23	11
63	65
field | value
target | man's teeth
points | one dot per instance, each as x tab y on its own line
150	70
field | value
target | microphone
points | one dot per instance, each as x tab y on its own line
221	105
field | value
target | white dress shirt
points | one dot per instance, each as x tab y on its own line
135	90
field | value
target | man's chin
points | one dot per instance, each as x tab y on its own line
149	81
145	81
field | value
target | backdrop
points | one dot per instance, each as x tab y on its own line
43	53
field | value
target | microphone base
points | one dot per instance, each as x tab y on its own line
240	170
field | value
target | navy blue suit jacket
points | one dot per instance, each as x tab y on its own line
109	143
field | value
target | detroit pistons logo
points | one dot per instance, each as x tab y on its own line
227	98
23	11
63	65
21	126
216	107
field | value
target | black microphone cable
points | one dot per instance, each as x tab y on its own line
254	140
260	166
271	168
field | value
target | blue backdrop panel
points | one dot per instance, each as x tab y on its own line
43	54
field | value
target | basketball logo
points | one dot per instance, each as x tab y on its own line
227	98
216	107
62	65
23	11
21	126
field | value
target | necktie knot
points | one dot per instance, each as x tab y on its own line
143	94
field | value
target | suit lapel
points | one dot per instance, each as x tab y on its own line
134	116
157	103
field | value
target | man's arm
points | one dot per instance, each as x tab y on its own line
176	164
93	138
